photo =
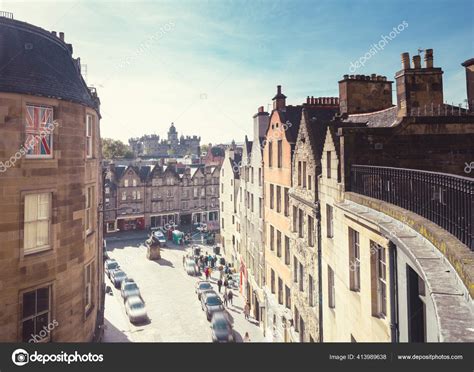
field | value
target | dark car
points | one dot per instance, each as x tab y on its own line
221	328
202	287
211	303
110	265
117	277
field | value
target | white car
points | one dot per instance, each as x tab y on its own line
135	308
201	227
159	236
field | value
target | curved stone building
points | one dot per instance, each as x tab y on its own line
50	191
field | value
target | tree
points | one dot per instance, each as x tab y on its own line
112	149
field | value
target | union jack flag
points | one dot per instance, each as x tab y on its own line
39	122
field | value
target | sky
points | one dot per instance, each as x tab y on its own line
208	65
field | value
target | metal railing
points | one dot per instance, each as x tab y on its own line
444	199
6	14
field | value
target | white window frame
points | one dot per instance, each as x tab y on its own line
90	197
88	273
38	220
89	136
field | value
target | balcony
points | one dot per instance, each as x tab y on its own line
444	199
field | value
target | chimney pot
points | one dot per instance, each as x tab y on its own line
307	100
346	77
54	33
405	61
373	76
260	109
417	61
61	36
429	58
279	89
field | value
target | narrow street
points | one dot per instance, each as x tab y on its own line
174	311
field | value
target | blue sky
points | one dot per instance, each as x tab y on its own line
208	65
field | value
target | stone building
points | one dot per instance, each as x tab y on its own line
396	225
252	249
301	246
150	146
280	139
153	195
229	195
51	277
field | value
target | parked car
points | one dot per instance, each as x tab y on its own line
211	303
221	328
110	265
191	267
135	309
201	287
129	289
117	277
159	236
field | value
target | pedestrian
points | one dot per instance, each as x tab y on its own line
247	337
247	310
219	285
225	299
230	296
226	283
206	272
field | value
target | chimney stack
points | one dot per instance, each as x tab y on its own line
418	87
405	61
260	123
429	58
279	101
469	65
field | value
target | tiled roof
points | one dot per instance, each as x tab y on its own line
34	61
377	119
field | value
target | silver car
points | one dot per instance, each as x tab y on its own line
191	267
135	309
211	303
129	289
202	286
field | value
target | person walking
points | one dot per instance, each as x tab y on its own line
230	296
206	272
226	299
219	285
247	337
247	310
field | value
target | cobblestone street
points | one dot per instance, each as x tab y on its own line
172	305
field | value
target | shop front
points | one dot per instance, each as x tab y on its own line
129	223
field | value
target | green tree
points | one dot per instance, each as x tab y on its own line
112	149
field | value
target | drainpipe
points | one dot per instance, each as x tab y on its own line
393	292
320	275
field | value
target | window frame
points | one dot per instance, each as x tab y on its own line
37	248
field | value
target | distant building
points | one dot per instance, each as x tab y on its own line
150	146
214	156
142	196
